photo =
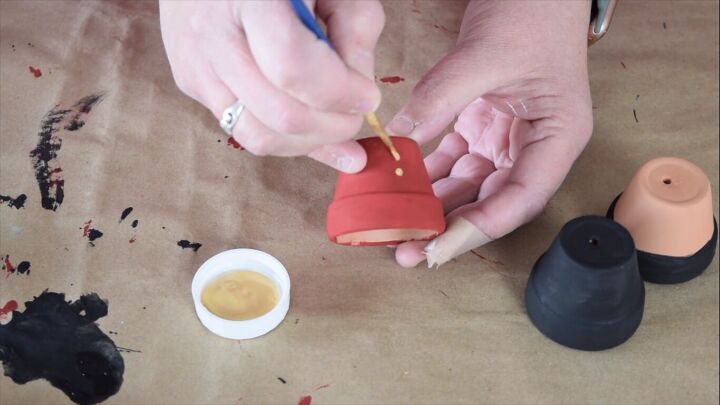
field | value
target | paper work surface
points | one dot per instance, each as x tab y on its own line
360	329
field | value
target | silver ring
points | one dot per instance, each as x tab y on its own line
231	116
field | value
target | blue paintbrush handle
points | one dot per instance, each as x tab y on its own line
308	20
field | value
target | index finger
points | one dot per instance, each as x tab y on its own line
354	28
293	59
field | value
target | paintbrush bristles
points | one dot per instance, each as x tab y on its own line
380	132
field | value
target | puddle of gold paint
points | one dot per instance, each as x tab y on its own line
240	295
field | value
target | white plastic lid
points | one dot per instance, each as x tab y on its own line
234	260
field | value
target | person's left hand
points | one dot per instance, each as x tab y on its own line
518	78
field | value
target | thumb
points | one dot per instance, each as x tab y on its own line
452	84
460	236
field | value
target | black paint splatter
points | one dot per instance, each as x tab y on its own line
91	233
74	125
51	190
125	213
134	223
635	115
43	156
17	202
59	341
664	25
94	234
623	65
23	267
81	108
186	244
282	380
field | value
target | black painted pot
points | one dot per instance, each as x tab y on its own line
586	292
665	269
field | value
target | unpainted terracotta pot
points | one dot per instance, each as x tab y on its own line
667	207
380	207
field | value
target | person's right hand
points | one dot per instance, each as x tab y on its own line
301	96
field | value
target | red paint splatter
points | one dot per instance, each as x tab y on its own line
132	240
7	266
86	228
8	308
486	259
306	400
392	79
91	233
319	387
232	142
35	71
416	11
56	182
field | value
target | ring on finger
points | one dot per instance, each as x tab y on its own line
231	116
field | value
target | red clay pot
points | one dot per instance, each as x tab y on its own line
379	207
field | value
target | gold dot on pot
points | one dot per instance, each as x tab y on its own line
399	172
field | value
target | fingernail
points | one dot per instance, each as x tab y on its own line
344	163
400	125
430	246
365	106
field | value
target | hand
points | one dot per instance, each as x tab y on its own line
519	76
301	96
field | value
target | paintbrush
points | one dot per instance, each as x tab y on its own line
311	23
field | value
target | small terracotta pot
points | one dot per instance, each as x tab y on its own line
667	207
586	292
380	207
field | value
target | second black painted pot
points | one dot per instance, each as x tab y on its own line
586	292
